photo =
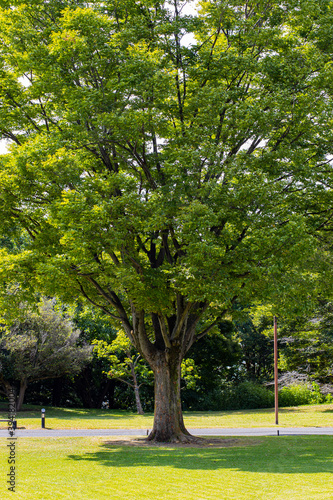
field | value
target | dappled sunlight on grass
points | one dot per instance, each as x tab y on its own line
286	455
269	468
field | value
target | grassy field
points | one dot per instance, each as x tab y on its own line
68	418
270	468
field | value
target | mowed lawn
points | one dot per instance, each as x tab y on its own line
69	418
94	468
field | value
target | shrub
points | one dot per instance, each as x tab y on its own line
295	395
249	395
303	394
246	395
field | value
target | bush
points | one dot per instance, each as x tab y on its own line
295	395
246	395
249	395
302	394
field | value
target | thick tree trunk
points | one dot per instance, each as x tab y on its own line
168	418
20	399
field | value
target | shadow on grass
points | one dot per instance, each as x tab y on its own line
283	455
75	413
92	414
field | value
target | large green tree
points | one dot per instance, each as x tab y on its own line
163	164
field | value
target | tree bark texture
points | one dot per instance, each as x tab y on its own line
136	388
168	418
138	400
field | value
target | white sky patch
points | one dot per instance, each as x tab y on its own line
25	81
188	7
187	40
3	147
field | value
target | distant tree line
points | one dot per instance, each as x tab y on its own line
73	357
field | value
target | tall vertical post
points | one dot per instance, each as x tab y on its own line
276	373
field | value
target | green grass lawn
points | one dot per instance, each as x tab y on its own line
68	418
291	467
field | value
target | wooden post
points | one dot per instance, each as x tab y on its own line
276	373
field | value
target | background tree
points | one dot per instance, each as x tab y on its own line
91	385
307	345
42	345
163	180
125	364
257	361
216	358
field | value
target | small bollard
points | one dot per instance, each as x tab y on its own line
43	418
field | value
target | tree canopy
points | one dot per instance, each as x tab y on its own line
165	165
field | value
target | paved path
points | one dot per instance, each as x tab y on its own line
257	431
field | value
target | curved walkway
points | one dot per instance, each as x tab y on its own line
254	431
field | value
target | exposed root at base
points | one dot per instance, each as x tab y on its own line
184	438
178	440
